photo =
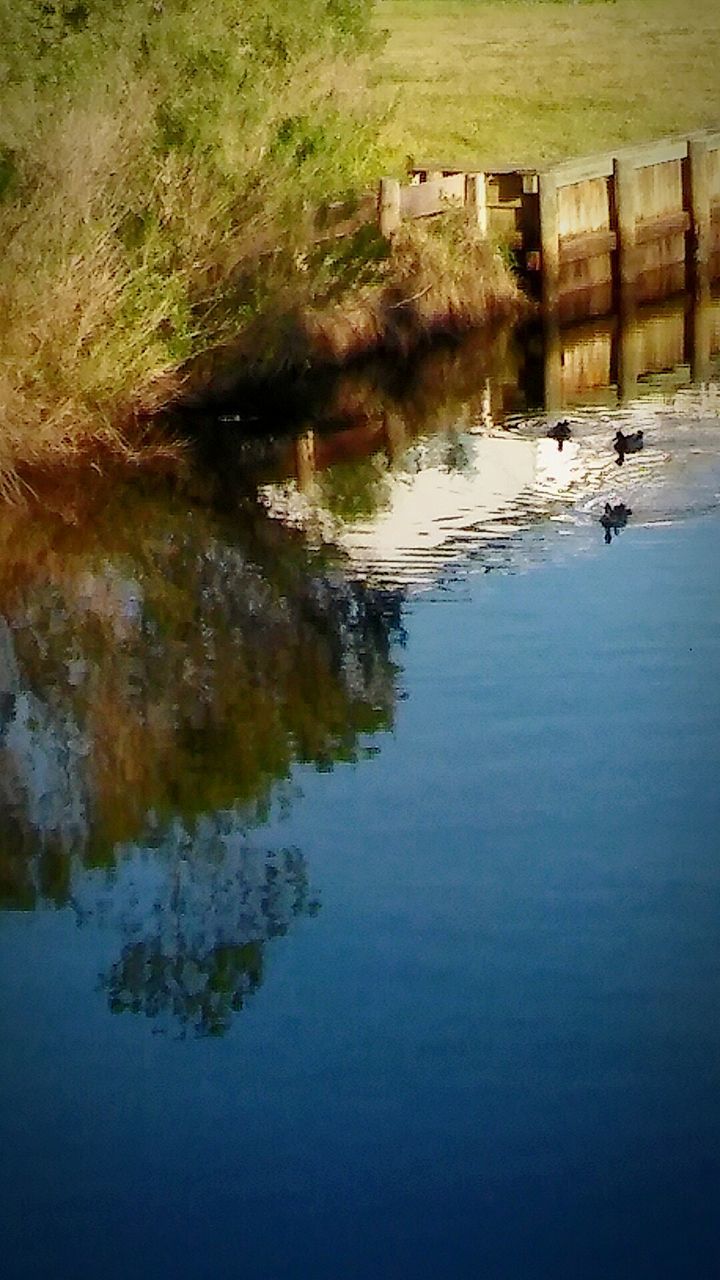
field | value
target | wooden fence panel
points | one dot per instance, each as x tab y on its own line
714	172
660	189
662	341
586	363
584	207
427	198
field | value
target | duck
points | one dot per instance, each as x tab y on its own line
614	518
623	444
560	432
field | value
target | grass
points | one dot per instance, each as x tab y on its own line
532	81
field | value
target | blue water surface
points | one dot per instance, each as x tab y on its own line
494	1050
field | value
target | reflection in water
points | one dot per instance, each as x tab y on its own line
421	480
496	1030
614	518
195	916
560	432
159	678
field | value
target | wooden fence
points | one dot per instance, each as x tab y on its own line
640	219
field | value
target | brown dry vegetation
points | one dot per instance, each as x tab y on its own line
439	277
157	169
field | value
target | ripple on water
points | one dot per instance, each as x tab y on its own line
478	498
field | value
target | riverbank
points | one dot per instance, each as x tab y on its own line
168	183
437	279
168	176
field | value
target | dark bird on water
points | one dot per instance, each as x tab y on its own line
623	444
613	519
560	432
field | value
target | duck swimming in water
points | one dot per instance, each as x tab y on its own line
623	444
613	519
560	432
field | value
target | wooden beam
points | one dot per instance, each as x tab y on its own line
699	198
426	198
651	153
625	201
629	346
389	213
670	224
305	465
569	172
476	201
549	239
589	245
701	332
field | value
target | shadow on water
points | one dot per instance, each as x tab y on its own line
171	651
163	667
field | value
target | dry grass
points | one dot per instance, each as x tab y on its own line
152	181
513	81
439	277
442	277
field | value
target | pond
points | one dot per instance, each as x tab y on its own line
358	835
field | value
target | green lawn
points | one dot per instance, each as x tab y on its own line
513	81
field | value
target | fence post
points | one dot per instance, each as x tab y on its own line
552	363
549	240
701	332
389	213
629	349
305	460
699	194
395	435
626	210
476	200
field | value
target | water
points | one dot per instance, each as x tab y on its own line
361	893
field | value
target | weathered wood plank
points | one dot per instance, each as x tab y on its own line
389	208
584	207
427	198
649	229
549	239
590	245
660	188
421	170
713	162
570	172
626	212
425	172
493	203
476	200
651	153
